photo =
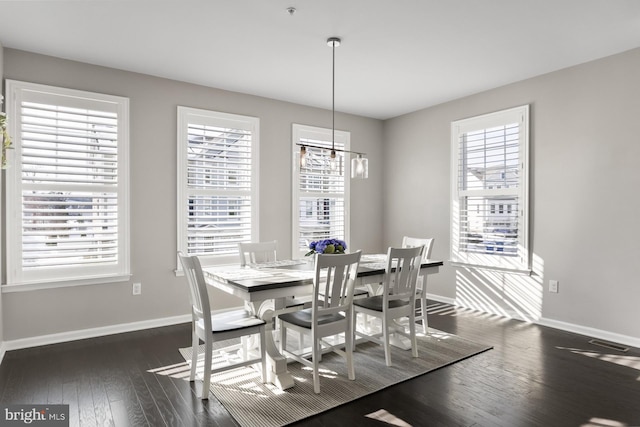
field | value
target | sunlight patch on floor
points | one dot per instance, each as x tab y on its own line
386	417
603	422
326	373
628	361
179	370
444	309
233	379
434	333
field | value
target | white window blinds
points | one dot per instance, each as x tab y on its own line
217	176
320	193
489	222
68	192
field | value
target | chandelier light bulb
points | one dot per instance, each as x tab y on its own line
360	167
303	157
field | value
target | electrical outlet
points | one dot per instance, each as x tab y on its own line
553	286
137	288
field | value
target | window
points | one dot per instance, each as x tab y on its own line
68	186
490	167
320	194
217	183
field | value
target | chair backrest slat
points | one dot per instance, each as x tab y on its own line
198	293
334	281
401	273
257	252
408	242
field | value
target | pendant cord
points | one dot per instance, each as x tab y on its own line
333	99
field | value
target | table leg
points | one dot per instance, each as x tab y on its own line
276	362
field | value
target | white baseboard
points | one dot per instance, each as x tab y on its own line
3	350
557	324
89	333
591	332
167	321
440	298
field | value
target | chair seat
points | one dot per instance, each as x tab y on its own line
360	292
232	321
302	318
375	303
307	301
300	302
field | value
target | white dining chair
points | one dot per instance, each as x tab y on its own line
421	284
330	313
257	252
397	300
210	328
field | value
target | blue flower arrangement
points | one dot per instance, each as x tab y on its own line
327	246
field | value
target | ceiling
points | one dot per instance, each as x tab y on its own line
396	56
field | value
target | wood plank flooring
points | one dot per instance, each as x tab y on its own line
534	376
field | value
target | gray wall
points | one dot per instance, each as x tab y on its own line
153	103
584	186
1	207
585	208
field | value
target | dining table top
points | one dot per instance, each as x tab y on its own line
290	273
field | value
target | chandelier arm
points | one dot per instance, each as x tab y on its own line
301	144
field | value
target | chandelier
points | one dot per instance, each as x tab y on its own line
359	163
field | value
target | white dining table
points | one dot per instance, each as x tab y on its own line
267	287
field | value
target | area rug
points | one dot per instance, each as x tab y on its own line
254	404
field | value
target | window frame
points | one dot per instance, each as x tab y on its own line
186	115
299	132
17	279
521	263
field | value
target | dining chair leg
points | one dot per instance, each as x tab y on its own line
244	344
414	340
385	338
206	379
422	285
349	345
263	355
354	327
195	343
423	311
283	337
315	356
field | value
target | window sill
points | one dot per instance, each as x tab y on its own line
64	284
523	272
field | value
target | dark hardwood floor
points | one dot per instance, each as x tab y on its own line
534	376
